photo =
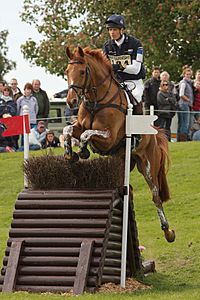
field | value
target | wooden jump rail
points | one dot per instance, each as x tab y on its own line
63	241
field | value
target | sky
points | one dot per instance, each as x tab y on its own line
19	32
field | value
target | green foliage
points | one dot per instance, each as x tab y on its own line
168	29
5	64
177	264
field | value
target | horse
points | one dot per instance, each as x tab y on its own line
101	122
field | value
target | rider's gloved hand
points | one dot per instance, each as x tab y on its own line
117	67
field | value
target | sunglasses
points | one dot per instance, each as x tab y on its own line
165	84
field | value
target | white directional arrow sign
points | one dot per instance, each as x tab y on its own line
140	124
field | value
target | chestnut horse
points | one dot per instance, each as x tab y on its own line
101	123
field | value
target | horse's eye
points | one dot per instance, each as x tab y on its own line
82	72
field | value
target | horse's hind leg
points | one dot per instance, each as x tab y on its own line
155	189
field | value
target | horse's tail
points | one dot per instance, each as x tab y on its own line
164	165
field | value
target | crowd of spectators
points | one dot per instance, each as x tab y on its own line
169	98
12	101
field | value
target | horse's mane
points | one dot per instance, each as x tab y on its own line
99	55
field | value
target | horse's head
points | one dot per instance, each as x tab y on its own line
77	76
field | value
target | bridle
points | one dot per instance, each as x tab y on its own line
85	89
95	105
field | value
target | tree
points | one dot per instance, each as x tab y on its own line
5	64
169	30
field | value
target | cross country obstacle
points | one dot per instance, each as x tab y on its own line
69	239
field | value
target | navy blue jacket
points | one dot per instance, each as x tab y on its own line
129	46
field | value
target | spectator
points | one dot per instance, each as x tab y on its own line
164	76
31	101
15	90
69	112
195	129
166	101
51	141
36	136
42	99
7	144
2	84
185	104
7	105
196	103
151	88
197	76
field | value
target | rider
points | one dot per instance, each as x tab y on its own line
126	56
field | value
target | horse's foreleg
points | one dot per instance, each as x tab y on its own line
154	186
69	153
86	136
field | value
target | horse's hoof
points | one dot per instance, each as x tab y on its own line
170	235
75	157
84	153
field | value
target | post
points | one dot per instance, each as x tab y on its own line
26	142
151	110
126	199
134	125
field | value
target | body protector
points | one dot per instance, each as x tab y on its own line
127	61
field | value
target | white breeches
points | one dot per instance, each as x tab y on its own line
136	87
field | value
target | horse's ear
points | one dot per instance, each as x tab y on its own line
68	52
80	51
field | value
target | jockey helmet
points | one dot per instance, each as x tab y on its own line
115	21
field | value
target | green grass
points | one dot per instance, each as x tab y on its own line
177	264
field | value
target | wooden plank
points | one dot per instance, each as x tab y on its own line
52	270
59	204
45	223
116	228
57	232
51	280
59	251
47	251
130	251
111	278
69	194
114	245
12	265
83	267
58	242
51	261
61	213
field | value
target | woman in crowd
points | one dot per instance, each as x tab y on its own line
166	101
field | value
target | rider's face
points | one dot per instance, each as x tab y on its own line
115	33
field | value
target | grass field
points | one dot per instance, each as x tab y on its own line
177	264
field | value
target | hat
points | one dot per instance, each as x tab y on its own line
41	124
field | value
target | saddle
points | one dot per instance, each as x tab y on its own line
137	106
